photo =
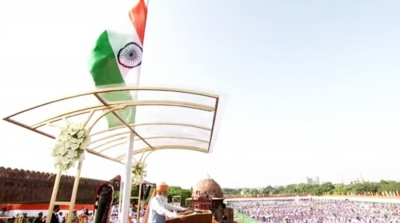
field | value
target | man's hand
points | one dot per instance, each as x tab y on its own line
183	210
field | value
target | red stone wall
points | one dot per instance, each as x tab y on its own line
24	187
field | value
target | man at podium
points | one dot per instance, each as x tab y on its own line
159	209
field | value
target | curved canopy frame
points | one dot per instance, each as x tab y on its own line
106	141
109	138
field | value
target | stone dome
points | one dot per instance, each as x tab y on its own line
210	186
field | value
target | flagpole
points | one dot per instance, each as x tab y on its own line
127	187
147	5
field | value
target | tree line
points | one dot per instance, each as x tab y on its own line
382	188
173	191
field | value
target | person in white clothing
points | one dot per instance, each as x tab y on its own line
90	218
114	218
83	211
159	209
114	209
60	217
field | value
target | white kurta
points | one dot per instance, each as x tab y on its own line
158	207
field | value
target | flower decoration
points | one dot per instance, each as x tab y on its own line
70	145
138	172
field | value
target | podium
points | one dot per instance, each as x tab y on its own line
193	218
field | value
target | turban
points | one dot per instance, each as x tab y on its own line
162	187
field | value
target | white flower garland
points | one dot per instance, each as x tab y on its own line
138	172
70	145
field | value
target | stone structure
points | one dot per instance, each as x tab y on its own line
208	186
24	187
207	194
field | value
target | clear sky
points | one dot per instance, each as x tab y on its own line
313	86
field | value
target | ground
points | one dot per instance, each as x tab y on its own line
241	218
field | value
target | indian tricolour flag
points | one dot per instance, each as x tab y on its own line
116	60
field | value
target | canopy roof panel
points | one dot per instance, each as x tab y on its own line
166	118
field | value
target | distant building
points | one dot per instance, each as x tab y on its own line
357	181
311	181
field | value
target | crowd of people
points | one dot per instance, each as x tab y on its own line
318	211
59	216
133	214
276	211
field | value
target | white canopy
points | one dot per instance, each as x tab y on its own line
166	118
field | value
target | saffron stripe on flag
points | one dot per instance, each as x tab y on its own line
138	16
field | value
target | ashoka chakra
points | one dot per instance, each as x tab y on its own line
130	56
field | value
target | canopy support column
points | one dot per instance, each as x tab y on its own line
74	192
127	188
54	196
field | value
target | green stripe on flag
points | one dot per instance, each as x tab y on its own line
105	71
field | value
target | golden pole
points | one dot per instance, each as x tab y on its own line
54	196
74	192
